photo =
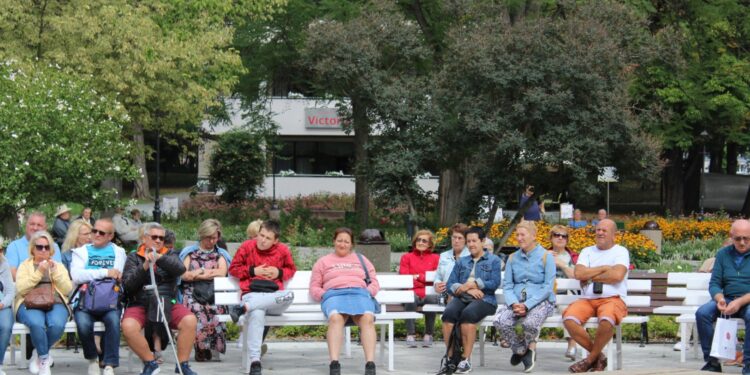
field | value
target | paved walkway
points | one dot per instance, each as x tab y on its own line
298	358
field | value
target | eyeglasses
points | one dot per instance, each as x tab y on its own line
560	235
423	240
42	247
100	232
157	238
741	239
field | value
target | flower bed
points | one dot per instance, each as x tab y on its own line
685	228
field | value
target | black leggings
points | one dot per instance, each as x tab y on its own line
458	311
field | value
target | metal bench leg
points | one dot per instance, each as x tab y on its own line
12	349
23	363
610	364
644	334
391	346
685	341
696	341
383	328
481	345
245	348
348	341
619	348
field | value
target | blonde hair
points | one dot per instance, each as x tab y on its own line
208	227
41	234
253	228
422	233
528	225
72	237
558	229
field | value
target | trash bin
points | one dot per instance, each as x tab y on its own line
372	244
651	230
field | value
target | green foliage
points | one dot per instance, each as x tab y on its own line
238	165
61	138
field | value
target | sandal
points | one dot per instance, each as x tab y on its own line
580	366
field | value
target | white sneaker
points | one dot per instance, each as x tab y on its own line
44	364
677	346
34	363
93	367
108	371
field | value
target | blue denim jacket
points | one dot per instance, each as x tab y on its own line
487	275
446	264
527	272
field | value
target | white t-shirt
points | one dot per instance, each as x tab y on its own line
593	257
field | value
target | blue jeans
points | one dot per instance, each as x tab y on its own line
6	327
110	340
705	318
46	326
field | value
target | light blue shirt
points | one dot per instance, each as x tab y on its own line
18	251
446	263
527	272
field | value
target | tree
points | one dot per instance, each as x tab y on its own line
60	139
167	62
238	166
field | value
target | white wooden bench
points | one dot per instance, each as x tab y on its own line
304	311
556	321
692	287
22	331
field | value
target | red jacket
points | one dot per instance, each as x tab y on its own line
417	263
248	256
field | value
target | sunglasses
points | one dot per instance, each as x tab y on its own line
559	235
157	238
741	239
422	240
100	232
42	247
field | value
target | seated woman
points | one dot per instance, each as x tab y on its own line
37	272
205	261
565	261
529	298
577	221
346	290
79	234
472	283
416	263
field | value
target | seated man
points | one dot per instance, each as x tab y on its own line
472	283
730	293
141	305
127	229
262	265
603	272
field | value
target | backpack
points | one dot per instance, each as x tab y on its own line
100	296
451	361
544	260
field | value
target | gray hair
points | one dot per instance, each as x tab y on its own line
146	228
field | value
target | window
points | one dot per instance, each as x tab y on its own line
316	157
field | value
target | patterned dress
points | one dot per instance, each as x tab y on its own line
211	334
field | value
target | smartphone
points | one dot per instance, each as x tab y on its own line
598	287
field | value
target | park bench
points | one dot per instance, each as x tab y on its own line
22	331
658	294
556	321
304	311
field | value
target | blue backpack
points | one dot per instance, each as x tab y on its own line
100	296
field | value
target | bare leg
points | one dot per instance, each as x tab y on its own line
579	334
447	329
131	329
604	333
335	335
367	333
186	338
468	336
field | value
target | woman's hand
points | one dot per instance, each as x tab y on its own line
45	266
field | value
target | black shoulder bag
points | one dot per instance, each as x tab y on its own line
368	281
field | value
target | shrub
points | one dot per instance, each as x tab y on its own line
238	166
686	228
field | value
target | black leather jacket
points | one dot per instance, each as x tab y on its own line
169	268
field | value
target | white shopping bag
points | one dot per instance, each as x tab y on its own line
725	339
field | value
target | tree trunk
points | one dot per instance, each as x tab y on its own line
361	189
673	184
9	220
692	180
716	158
732	151
455	186
140	185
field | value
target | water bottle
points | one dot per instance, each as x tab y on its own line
441	299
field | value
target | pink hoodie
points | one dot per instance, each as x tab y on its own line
335	272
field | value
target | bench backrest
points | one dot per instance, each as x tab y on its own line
691	286
394	289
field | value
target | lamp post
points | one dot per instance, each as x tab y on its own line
701	188
275	213
157	210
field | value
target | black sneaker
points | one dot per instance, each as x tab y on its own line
255	368
712	365
746	370
186	370
515	359
529	360
235	312
370	368
334	368
447	369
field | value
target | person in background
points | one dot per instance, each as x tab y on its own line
86	215
7	294
472	283
205	261
62	222
449	258
339	282
39	270
253	228
577	221
417	263
79	234
18	250
600	215
169	239
535	211
128	230
565	260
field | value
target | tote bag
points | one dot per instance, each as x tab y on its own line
725	339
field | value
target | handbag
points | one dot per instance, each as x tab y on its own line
203	292
724	341
263	286
100	296
42	297
368	281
